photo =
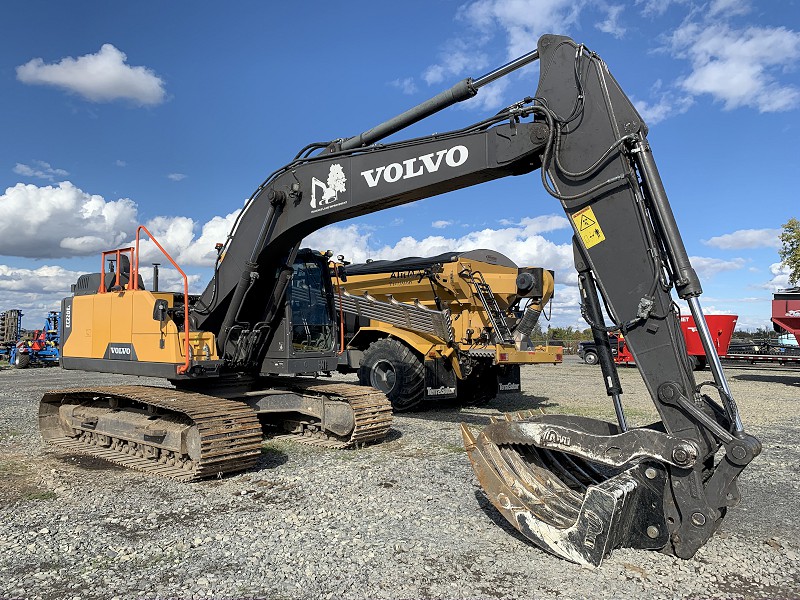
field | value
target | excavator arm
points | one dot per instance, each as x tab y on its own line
575	486
580	487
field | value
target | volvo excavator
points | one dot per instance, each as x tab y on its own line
236	354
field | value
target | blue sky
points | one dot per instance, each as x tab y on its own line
171	114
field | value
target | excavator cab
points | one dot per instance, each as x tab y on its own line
310	308
306	334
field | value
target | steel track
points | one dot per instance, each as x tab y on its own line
372	413
230	433
229	430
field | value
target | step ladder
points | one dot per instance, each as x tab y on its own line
500	328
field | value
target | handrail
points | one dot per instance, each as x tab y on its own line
101	289
181	369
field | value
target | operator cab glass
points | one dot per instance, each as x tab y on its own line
312	322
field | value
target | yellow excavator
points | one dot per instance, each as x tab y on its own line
443	327
236	353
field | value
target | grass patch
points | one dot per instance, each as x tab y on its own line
453	448
634	415
18	481
272	447
41	495
9	433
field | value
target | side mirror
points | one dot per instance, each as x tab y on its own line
160	311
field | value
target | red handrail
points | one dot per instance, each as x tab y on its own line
135	279
117	254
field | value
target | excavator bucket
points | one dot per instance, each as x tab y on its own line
576	509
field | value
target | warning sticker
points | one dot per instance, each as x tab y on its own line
588	227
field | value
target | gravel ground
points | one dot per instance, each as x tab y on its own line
400	519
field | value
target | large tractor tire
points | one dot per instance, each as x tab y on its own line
22	361
392	368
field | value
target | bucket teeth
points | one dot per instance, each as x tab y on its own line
469	439
510	417
563	504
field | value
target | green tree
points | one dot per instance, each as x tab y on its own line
790	249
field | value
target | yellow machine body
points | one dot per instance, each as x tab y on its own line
468	313
125	326
452	325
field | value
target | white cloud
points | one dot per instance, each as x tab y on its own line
62	221
457	60
738	67
521	243
120	163
35	291
780	277
667	104
611	24
43	280
491	96
542	224
101	77
40	169
656	8
746	238
176	176
728	8
441	224
351	240
434	74
750	323
405	85
708	267
523	21
177	236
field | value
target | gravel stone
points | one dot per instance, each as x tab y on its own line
397	520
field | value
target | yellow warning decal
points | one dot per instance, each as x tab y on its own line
588	227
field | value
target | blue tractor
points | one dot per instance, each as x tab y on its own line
42	349
10	330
